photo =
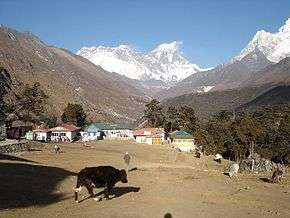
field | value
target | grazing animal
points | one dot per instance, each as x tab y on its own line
234	168
277	174
99	177
218	158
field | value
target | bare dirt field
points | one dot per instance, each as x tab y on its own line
40	183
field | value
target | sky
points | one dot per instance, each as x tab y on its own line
212	31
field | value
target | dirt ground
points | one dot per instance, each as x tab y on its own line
40	183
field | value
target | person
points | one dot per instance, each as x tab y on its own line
56	149
127	161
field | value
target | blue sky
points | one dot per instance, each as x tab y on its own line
211	31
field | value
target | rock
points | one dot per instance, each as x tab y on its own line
256	164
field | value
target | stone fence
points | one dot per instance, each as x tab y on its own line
13	146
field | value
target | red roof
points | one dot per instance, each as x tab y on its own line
41	130
152	132
65	128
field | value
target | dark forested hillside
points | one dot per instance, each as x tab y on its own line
206	104
279	95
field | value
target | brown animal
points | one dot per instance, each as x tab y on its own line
277	174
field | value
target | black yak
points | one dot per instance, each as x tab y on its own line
99	177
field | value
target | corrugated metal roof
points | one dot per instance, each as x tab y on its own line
181	134
92	128
111	126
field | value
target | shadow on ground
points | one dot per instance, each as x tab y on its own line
119	191
135	169
116	191
14	158
265	180
24	185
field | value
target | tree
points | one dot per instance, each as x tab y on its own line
219	136
246	130
172	119
187	119
74	113
204	139
29	106
153	113
283	139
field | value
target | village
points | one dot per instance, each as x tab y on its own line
170	159
173	165
137	109
179	139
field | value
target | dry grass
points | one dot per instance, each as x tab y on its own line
163	181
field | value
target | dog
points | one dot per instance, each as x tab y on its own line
277	174
99	177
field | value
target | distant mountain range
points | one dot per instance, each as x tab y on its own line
251	67
164	63
114	83
173	75
66	77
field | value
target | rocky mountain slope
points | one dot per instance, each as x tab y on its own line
67	77
223	77
207	104
165	63
262	51
257	90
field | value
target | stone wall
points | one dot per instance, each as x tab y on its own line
13	147
2	131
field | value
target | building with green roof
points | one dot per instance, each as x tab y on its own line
182	140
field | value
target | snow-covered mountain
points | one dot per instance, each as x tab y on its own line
165	62
275	46
247	68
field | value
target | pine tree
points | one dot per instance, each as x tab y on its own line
172	119
74	113
187	119
154	114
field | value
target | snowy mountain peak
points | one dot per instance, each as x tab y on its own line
124	47
165	62
275	46
164	48
286	27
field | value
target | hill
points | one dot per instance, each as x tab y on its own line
279	95
206	104
66	77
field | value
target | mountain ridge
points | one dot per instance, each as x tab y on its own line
166	62
263	50
67	77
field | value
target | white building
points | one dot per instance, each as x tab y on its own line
64	133
112	131
41	135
